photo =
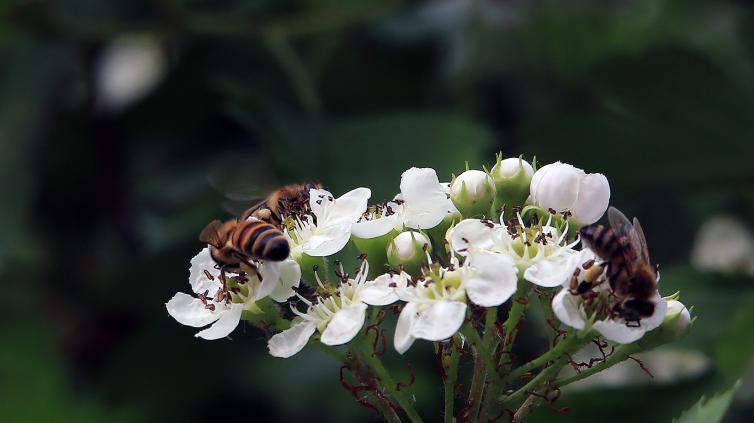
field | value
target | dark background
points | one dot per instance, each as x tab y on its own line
103	197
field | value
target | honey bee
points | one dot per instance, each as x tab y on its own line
235	242
632	278
288	201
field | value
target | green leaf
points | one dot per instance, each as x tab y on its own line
735	349
709	411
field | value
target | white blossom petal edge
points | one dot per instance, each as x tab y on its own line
426	201
328	229
337	317
203	310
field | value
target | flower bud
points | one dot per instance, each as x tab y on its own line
562	187
512	178
473	192
375	250
408	250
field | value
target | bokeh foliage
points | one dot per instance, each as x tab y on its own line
101	209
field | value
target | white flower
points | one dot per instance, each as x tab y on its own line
540	252
129	68
338	317
436	306
574	311
328	229
216	305
425	200
724	244
562	187
379	220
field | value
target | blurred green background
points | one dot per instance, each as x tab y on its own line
125	124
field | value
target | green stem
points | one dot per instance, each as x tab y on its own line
520	301
569	344
385	408
544	301
472	335
529	404
620	355
489	328
451	377
491	341
383	376
533	386
477	386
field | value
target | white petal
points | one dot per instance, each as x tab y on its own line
292	340
349	207
327	241
566	308
270	271
319	200
290	277
617	331
493	278
656	319
440	321
556	186
198	279
551	271
345	324
426	200
594	197
379	292
223	326
403	340
379	226
472	233
189	311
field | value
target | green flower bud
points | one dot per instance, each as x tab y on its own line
408	250
473	192
512	177
376	251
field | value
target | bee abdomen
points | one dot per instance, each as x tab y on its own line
261	240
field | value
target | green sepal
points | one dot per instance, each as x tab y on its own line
376	251
265	314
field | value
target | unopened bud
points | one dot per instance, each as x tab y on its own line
562	187
473	192
409	250
512	178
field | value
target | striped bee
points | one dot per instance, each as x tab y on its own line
288	201
632	278
235	242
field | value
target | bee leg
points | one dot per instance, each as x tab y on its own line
633	323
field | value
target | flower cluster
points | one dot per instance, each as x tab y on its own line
436	252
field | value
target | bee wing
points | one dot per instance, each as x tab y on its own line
249	211
241	207
644	252
623	227
211	234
